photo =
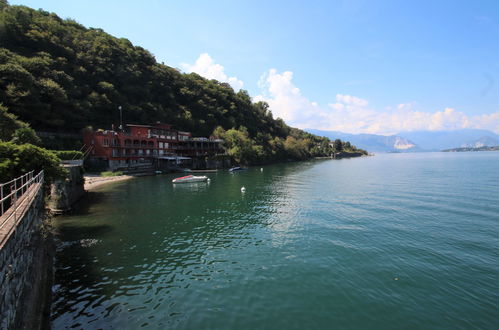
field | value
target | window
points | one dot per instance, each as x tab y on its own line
105	142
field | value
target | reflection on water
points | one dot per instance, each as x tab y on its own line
308	245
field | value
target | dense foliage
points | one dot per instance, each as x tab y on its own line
58	75
68	154
26	135
16	160
20	153
15	130
9	124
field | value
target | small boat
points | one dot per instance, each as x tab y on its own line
190	178
236	169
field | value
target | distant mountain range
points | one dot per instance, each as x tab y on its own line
417	140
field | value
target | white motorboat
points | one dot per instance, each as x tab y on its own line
237	169
190	178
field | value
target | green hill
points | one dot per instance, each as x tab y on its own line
58	75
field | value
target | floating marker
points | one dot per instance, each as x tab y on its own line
243	189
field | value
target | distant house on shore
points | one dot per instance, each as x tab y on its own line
147	145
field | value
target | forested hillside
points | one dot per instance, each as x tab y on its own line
58	75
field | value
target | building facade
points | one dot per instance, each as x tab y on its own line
147	145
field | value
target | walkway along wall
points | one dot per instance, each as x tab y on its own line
25	262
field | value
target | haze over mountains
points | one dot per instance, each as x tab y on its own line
417	140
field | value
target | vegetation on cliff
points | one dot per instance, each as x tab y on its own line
58	75
20	152
16	160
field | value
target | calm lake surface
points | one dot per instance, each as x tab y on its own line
389	242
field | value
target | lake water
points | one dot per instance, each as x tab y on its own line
386	242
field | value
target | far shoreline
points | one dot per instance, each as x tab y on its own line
93	181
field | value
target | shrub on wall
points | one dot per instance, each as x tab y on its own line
16	160
68	154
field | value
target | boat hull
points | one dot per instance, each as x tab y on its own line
237	169
190	179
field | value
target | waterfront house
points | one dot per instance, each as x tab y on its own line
139	146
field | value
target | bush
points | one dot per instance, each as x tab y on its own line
16	160
26	135
68	154
109	173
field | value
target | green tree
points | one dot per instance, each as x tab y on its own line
26	135
218	133
337	145
238	145
9	124
295	148
16	160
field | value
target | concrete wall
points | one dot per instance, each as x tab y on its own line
25	271
64	193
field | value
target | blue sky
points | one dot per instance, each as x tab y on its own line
357	66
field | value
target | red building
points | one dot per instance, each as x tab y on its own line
147	145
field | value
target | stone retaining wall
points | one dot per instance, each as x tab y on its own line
23	271
65	192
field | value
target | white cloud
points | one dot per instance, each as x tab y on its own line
348	99
206	67
283	97
353	115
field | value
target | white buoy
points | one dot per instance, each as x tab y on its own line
261	169
243	189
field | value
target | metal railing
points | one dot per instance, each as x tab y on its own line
17	195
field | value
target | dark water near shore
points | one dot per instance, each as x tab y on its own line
389	242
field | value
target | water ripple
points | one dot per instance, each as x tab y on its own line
380	242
